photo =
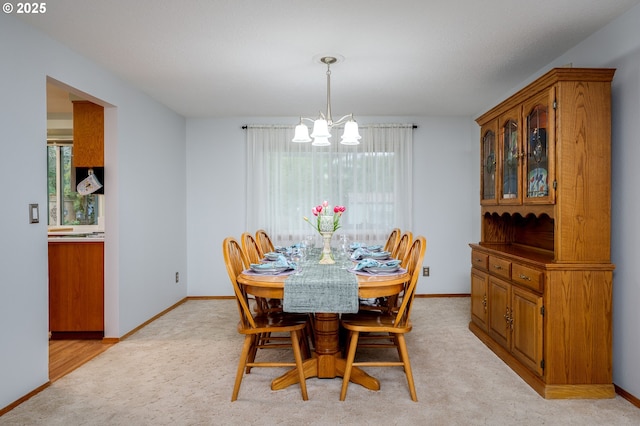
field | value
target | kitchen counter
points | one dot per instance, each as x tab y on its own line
75	237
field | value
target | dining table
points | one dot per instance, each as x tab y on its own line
326	361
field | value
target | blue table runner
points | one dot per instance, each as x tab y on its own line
321	288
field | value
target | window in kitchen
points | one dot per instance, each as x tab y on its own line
65	205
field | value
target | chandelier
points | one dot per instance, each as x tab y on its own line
323	124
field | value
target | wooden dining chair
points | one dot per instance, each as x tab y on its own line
395	326
264	241
404	242
399	252
251	248
392	240
253	325
255	254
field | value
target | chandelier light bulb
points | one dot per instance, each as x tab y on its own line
351	135
302	134
320	129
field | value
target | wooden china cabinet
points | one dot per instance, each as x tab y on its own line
541	275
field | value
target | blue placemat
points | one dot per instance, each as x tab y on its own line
321	288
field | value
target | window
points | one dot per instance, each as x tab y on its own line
65	205
372	180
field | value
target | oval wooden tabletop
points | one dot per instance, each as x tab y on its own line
369	286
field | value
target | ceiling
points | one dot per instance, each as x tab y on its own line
226	58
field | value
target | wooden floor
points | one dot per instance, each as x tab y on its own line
67	355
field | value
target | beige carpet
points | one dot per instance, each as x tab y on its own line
179	370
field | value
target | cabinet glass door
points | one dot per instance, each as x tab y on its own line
488	166
539	150
510	161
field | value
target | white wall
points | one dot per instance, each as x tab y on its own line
144	189
446	207
216	182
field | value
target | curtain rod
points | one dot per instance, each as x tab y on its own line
244	127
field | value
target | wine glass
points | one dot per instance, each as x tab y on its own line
310	241
297	257
343	250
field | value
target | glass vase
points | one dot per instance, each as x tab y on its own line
326	257
326	223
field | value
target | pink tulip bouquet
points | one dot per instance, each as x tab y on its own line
325	220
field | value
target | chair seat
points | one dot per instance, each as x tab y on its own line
373	322
266	322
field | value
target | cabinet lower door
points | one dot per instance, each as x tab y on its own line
76	287
499	311
479	298
527	319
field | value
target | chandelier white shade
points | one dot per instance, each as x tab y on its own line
323	124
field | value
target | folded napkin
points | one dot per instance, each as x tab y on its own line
281	262
379	255
289	250
355	246
372	263
360	253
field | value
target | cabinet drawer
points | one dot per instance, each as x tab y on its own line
528	277
479	260
500	267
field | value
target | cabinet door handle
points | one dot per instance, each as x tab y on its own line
524	277
507	318
497	266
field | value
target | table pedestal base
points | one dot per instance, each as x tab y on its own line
311	369
326	362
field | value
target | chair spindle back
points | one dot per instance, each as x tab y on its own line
235	260
414	258
392	240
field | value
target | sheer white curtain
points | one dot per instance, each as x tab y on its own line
373	180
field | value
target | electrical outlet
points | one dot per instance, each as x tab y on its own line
177	277
425	271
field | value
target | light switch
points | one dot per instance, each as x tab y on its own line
34	213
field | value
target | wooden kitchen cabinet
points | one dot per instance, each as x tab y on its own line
76	290
88	134
541	275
